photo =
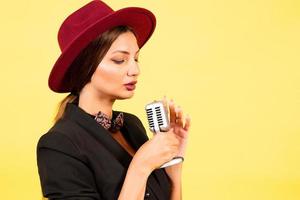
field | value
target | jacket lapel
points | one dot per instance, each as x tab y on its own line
78	115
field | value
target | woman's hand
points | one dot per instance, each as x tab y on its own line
181	131
164	146
176	121
161	148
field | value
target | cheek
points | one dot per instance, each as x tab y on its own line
107	78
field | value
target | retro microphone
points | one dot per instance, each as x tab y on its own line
158	120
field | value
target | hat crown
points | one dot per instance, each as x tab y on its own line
79	20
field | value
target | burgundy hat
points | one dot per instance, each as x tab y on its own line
85	24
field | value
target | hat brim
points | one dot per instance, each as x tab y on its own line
141	20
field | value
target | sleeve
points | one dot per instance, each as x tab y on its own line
62	174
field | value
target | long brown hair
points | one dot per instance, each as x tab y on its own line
85	64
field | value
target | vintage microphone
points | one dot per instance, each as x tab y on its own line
158	120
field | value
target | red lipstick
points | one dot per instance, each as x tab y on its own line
130	86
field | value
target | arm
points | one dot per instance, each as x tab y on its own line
174	172
135	183
182	131
65	177
62	174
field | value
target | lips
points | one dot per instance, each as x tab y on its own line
131	83
130	86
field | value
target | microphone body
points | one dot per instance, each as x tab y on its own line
158	120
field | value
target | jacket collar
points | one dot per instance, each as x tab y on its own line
131	131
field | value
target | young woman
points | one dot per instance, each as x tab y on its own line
93	151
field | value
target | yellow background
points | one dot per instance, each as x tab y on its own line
233	65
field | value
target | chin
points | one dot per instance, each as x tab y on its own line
129	95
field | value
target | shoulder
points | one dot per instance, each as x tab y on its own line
59	134
57	141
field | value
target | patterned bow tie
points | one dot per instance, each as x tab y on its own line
112	125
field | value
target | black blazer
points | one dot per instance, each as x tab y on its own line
79	159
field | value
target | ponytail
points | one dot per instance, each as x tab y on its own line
62	105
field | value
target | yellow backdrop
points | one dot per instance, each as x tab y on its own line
233	65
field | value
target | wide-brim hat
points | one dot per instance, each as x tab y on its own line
88	22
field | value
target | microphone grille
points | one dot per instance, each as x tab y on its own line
150	117
157	116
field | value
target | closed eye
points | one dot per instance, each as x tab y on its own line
121	61
118	61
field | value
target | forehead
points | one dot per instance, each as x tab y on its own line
125	42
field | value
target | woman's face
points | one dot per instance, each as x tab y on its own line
118	68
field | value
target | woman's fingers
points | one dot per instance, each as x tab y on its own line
176	115
172	112
165	103
187	123
179	120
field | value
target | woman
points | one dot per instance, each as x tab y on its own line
92	151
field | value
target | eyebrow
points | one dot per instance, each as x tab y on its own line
126	52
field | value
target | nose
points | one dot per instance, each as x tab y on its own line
134	69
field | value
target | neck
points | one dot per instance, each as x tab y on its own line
92	102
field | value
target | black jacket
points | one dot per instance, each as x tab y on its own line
79	159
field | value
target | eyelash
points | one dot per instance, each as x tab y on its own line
120	62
